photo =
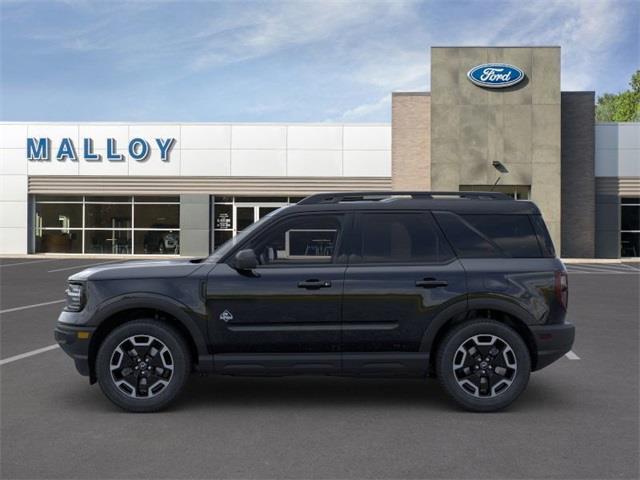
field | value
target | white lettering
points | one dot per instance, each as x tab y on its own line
493	75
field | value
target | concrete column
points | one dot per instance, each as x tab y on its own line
471	126
195	225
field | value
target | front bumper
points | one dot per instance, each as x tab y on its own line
552	342
74	340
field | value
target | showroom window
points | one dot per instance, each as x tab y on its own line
630	227
518	192
122	225
234	214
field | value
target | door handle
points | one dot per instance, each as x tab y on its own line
431	283
314	284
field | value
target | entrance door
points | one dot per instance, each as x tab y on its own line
245	214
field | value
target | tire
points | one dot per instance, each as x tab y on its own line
460	373
159	349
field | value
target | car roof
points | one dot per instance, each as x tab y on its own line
457	202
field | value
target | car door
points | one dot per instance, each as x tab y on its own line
401	274
291	303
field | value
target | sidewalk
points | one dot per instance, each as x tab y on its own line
77	256
601	260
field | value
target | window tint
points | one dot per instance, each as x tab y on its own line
514	234
300	240
544	239
466	241
491	235
401	238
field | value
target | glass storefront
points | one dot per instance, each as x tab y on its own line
234	214
518	192
107	225
630	227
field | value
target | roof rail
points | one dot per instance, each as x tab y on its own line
320	198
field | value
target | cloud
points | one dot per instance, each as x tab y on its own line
287	25
285	60
367	110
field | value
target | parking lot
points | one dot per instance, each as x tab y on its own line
577	419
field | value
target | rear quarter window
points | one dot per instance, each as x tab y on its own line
490	236
543	236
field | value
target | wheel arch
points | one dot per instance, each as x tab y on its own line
502	310
120	311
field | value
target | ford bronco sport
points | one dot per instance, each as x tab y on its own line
464	286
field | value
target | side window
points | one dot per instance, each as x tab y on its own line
401	238
490	236
543	236
514	234
300	240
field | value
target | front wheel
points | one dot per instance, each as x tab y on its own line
143	365
484	365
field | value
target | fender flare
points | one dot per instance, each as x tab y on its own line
494	302
459	307
178	310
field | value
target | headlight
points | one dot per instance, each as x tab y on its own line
75	297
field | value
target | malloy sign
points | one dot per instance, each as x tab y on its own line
40	149
495	75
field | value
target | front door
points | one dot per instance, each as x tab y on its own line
401	274
291	303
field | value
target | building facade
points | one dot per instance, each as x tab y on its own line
495	119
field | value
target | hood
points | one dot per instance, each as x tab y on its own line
139	269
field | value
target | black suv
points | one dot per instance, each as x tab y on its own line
464	286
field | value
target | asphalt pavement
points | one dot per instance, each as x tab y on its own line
579	418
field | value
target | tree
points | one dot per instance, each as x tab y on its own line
621	107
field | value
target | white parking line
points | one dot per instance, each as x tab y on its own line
15	358
30	306
81	266
571	356
605	270
27	263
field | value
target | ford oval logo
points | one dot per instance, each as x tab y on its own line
495	75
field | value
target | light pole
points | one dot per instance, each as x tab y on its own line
499	166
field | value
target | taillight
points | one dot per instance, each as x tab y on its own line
562	288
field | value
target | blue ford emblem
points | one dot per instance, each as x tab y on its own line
495	75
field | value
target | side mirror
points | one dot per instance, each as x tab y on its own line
245	260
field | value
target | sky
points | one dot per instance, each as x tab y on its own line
279	61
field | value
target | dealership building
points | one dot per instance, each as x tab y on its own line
495	119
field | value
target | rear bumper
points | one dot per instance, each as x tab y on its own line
552	342
72	340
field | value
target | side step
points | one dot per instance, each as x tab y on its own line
378	364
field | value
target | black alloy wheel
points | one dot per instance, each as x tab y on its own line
143	365
483	364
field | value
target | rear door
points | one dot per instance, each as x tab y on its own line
401	274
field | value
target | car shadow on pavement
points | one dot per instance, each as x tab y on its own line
312	392
301	391
316	392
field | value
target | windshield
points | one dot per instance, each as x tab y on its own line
227	246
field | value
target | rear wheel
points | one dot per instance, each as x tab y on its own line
483	365
143	365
